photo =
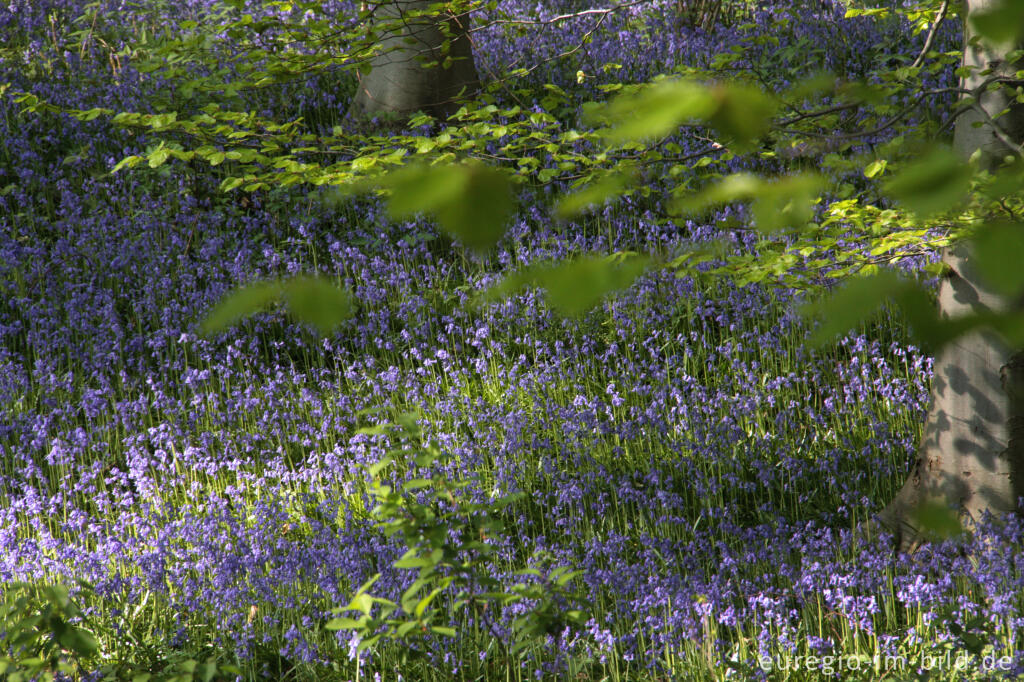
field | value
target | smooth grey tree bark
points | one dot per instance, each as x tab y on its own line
971	457
400	81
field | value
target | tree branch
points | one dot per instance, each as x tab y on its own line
931	34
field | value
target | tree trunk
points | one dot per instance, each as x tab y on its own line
971	456
401	80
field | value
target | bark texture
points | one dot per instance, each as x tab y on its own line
400	82
972	453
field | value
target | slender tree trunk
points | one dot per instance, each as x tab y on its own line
972	453
401	80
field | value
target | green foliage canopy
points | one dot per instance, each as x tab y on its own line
439	167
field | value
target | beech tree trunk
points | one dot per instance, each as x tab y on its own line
971	457
401	80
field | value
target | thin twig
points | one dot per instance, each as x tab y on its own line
1000	134
864	133
561	17
819	112
931	34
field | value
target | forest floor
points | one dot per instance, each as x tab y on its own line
680	445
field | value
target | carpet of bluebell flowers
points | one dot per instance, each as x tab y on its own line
679	444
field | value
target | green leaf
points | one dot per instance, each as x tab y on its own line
368	643
409	421
787	202
574	286
422	605
594	194
1010	326
470	201
416	484
853	303
206	671
813	86
577	286
443	630
238	304
424	144
858	299
228	184
158	157
344	624
736	187
318	302
1001	21
740	113
527	571
656	110
410	594
382	463
937	520
79	640
876	167
361	602
973	643
930	330
368	584
412	562
998	252
405	628
743	114
57	595
566	577
933	185
775	204
557	572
